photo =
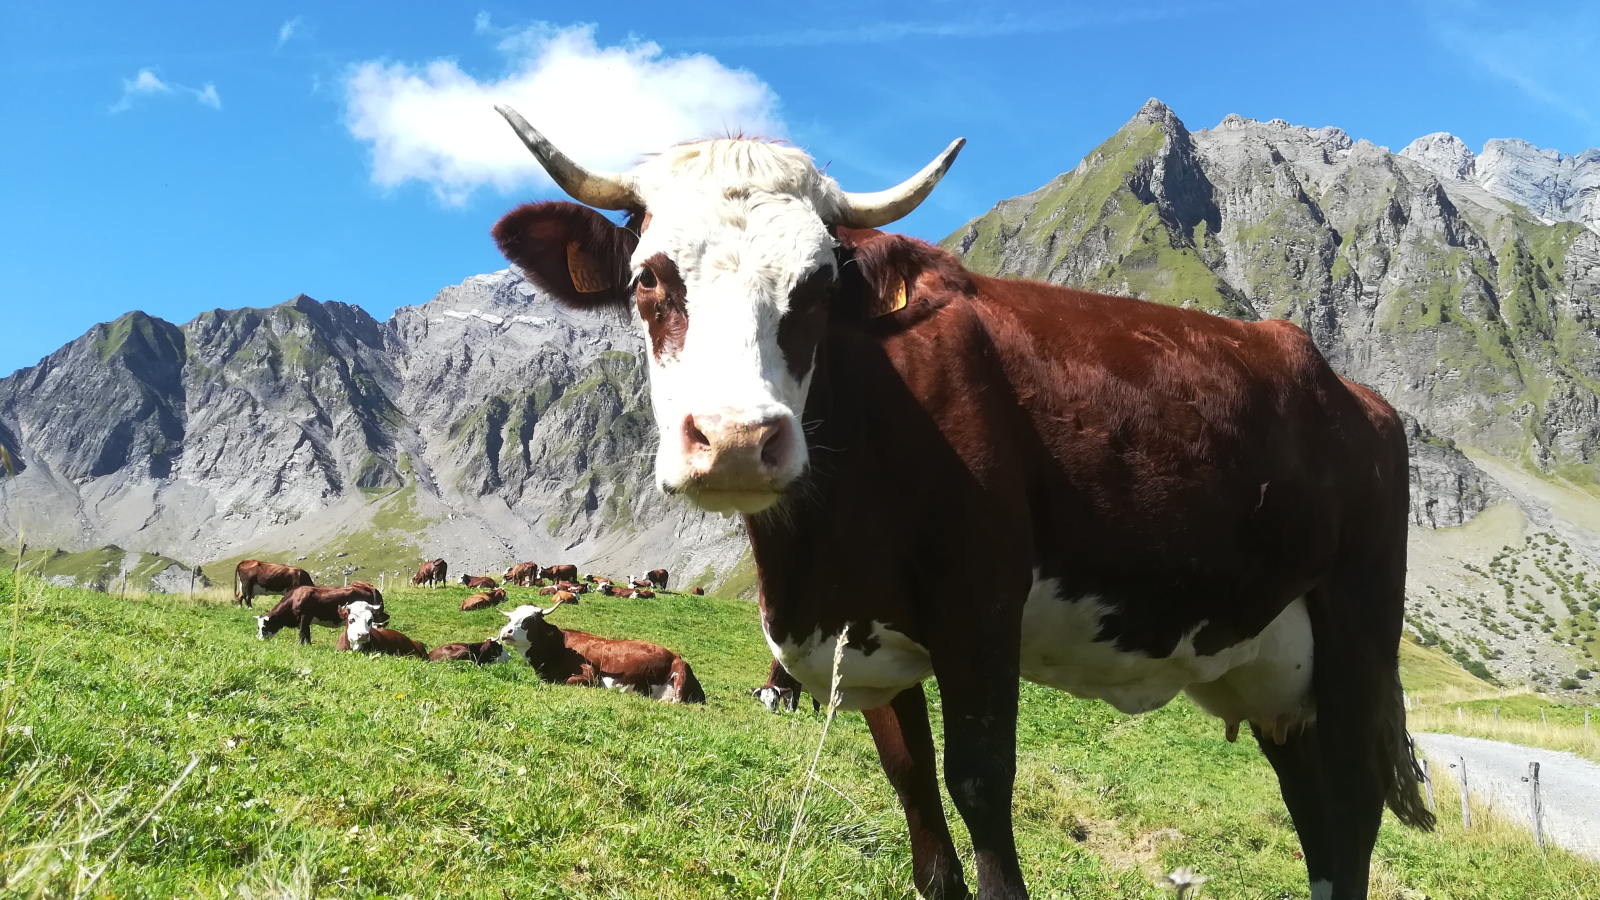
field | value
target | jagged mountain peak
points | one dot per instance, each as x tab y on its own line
1548	183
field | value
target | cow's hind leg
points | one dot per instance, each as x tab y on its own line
905	747
1304	784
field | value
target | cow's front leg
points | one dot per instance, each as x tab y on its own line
305	630
980	767
905	747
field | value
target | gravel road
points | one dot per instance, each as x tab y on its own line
1569	786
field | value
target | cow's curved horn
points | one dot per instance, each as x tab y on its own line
601	190
882	207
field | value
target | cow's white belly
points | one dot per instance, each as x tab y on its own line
1266	679
655	692
866	681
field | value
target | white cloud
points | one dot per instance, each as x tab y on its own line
146	83
290	28
605	106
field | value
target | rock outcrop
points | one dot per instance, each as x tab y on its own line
1547	183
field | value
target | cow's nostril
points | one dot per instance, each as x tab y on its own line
775	447
692	434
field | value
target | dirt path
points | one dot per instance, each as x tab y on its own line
1569	786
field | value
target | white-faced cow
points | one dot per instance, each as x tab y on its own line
362	635
1161	500
579	658
254	576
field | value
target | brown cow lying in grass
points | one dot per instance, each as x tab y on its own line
580	658
484	653
324	606
484	600
481	582
362	636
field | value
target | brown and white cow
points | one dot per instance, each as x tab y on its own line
254	576
484	653
658	579
1162	500
559	573
577	657
432	574
303	607
361	634
521	574
484	600
480	582
782	691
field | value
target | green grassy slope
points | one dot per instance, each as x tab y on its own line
386	777
99	567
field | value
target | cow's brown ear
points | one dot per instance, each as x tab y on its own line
570	251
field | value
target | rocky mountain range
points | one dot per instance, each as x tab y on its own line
488	425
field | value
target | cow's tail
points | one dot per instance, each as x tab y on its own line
238	588
1401	774
685	687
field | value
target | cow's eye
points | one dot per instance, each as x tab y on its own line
647	279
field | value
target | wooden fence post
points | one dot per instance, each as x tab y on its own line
1542	719
1466	811
1427	784
1460	716
192	573
1497	715
1538	808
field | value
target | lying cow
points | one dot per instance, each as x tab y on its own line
559	573
658	579
254	576
781	691
697	591
579	658
639	582
324	606
432	574
481	582
644	594
578	588
484	600
521	574
361	635
484	653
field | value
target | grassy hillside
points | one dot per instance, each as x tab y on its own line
102	567
383	777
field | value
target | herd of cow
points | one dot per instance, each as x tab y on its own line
558	655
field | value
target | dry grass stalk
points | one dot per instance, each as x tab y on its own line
811	774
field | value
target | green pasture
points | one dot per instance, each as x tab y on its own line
336	775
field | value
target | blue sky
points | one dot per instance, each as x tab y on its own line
177	157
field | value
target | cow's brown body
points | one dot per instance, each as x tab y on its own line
480	582
658	579
559	573
697	591
483	653
385	642
303	607
432	574
484	600
522	574
254	576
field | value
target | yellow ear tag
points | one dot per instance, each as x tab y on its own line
898	301
586	276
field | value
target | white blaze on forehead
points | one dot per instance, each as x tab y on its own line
743	223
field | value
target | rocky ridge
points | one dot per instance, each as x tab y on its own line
1553	186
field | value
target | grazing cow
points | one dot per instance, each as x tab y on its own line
559	573
484	600
1162	500
782	691
522	574
485	653
697	591
658	579
361	635
481	582
432	574
253	576
324	606
577	657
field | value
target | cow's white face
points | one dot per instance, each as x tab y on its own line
519	630
773	698
262	631
729	266
358	624
732	278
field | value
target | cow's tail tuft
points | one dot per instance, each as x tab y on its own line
1397	761
685	687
